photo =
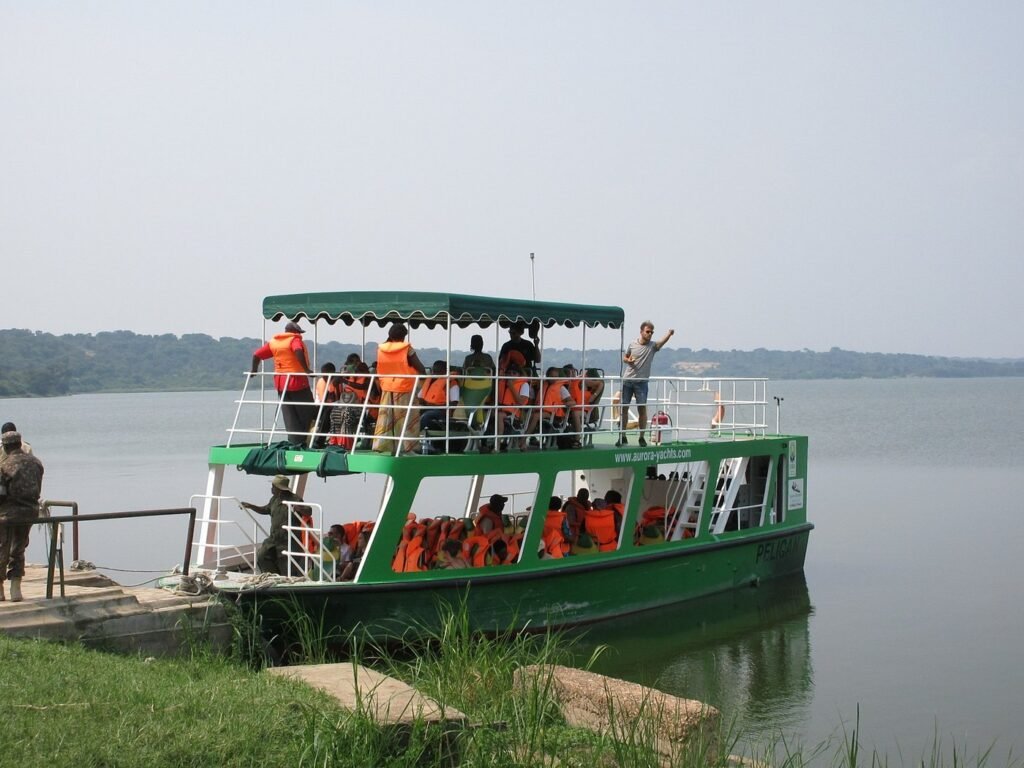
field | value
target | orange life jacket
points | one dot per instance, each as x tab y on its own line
554	539
435	391
287	361
393	360
652	516
475	549
575	385
415	553
508	392
486	513
352	531
553	399
600	524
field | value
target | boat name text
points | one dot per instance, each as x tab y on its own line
776	550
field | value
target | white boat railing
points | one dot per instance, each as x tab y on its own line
300	561
678	409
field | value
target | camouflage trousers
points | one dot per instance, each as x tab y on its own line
13	543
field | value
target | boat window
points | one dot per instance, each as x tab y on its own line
740	501
460	522
594	508
671	502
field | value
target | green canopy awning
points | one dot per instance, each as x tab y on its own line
435	309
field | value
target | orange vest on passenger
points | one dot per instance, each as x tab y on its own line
575	385
652	516
435	391
393	360
553	398
600	524
486	513
475	549
286	361
352	531
507	391
554	539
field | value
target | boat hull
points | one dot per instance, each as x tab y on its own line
553	594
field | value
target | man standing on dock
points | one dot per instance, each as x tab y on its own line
638	359
21	482
291	379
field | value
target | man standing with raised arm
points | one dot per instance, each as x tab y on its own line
638	358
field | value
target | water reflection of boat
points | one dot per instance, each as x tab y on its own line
745	651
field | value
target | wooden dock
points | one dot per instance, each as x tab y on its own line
99	613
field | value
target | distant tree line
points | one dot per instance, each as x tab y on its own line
37	364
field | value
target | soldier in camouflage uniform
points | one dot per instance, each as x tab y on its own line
270	557
21	482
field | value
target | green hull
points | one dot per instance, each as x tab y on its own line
555	594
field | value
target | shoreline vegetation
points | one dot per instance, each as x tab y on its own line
208	708
38	364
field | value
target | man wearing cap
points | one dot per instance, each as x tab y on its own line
9	427
291	369
397	370
21	482
270	557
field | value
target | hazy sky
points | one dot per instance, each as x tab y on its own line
755	174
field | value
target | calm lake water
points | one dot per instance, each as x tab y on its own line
912	604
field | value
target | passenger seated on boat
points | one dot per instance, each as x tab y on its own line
438	395
450	555
271	556
397	367
488	518
335	554
556	535
575	508
477	358
475	549
651	518
602	526
499	554
558	409
514	394
362	540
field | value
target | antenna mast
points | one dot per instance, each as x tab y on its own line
533	276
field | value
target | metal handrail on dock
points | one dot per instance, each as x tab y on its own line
55	522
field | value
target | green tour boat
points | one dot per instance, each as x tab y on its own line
515	491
